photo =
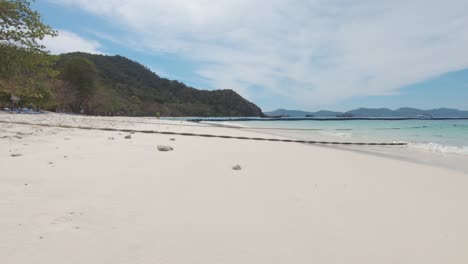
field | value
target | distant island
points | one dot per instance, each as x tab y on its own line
405	112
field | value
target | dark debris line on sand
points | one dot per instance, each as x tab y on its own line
214	136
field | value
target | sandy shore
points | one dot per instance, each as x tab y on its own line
92	196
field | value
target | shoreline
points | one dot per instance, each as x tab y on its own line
406	153
399	153
214	119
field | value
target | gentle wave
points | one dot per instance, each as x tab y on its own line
226	124
394	128
440	148
337	134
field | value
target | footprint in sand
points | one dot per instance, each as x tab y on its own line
65	222
24	134
62	220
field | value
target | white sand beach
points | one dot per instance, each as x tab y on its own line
78	196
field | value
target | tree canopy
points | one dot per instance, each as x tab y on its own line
21	29
80	73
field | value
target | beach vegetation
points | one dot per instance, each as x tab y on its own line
37	95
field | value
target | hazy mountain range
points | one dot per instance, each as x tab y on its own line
375	112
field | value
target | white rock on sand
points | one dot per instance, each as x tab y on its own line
295	204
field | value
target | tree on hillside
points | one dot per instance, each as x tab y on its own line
80	74
64	96
4	98
38	94
24	64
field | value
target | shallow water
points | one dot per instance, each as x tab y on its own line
441	143
444	136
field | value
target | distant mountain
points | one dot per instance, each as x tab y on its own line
298	113
324	113
408	112
372	112
284	112
129	88
375	112
447	112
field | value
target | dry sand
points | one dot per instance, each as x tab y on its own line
90	196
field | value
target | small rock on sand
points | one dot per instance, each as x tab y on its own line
237	167
16	155
110	138
172	139
128	137
164	148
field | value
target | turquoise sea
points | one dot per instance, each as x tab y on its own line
439	136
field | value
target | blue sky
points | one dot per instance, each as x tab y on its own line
299	54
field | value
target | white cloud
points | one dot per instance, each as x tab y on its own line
67	41
309	51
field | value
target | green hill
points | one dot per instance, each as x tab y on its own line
128	88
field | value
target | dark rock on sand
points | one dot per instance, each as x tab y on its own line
164	148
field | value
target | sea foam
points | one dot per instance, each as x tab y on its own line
440	148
